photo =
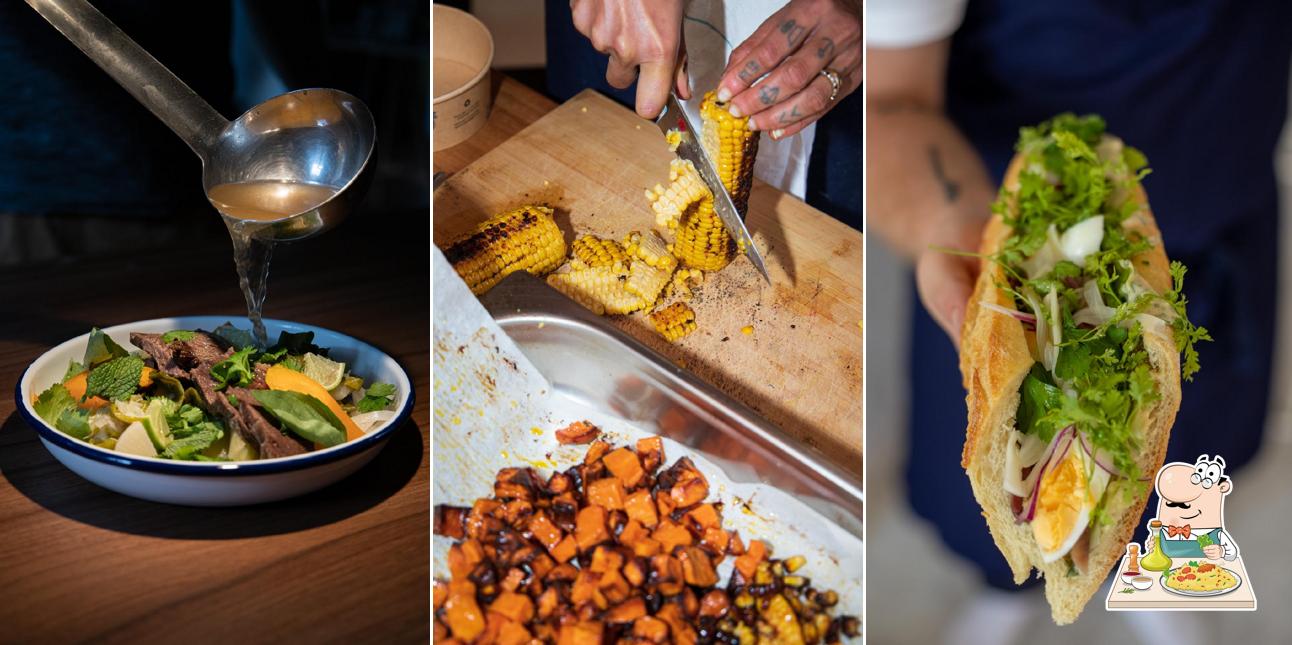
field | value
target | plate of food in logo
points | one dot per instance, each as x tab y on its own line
1200	579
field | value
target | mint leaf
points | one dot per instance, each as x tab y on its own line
303	414
378	396
235	370
100	348
115	379
51	403
178	334
189	446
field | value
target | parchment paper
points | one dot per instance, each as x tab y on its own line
493	409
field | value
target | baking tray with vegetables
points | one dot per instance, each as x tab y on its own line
751	533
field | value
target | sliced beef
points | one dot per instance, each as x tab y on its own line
163	353
258	377
247	419
203	350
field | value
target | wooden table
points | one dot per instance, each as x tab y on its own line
590	159
350	563
1157	598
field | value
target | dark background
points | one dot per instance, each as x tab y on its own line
85	171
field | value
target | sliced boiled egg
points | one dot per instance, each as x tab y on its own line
1066	496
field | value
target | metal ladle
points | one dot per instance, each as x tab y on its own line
316	136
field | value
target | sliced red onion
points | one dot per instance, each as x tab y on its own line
1101	459
1055	453
1025	318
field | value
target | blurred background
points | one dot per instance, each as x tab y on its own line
918	588
85	171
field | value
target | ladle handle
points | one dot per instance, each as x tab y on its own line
167	97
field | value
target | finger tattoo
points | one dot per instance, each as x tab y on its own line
793	31
768	95
789	116
950	189
826	49
750	71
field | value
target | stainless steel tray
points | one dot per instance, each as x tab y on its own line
586	358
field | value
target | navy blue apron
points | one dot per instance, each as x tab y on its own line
834	170
1201	87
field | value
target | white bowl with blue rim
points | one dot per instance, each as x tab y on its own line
194	483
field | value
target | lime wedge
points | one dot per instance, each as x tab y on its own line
135	441
130	410
324	371
155	423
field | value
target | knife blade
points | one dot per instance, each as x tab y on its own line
690	149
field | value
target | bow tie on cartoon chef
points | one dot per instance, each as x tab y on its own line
1191	507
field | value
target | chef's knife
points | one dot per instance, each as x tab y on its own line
690	149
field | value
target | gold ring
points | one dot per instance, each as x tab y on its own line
833	77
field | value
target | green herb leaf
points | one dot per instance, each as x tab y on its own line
115	379
51	403
239	338
303	415
178	334
189	446
73	368
298	343
378	396
235	370
74	422
1040	397
100	348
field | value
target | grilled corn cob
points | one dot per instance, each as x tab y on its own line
594	251
731	145
603	290
702	240
684	189
524	239
646	282
674	321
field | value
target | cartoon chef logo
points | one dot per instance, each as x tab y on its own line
1191	507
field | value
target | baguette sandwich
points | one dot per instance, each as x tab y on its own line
1071	358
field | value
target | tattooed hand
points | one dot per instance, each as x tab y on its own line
788	52
645	34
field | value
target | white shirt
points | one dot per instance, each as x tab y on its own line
897	24
713	28
1225	542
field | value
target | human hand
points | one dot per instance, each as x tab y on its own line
638	34
792	47
1213	551
944	280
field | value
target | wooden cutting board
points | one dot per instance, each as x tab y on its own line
801	368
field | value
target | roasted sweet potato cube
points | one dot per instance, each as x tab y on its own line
513	579
632	532
513	633
605	559
696	567
585	589
596	451
715	541
590	528
515	483
689	603
691	491
651	629
702	517
625	465
460	563
580	633
566	549
564	572
513	606
736	546
543	530
715	604
541	564
564	509
517	512
641	507
577	432
607	493
481	520
451	521
651	453
635	572
666	574
547	602
559	483
670	534
747	564
665	505
461	613
646	547
614	586
678	625
439	593
627	611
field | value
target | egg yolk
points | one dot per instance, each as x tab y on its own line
1060	505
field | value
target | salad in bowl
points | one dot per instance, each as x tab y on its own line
192	411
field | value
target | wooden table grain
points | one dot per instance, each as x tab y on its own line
350	563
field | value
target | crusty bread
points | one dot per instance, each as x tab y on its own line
994	360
